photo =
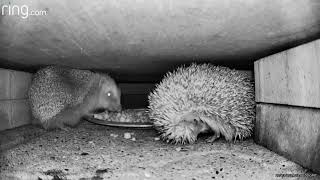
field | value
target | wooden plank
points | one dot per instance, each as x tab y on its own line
14	84
14	113
4	84
291	77
5	115
147	38
293	132
20	83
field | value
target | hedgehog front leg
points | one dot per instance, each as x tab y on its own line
67	117
213	138
217	125
57	123
188	128
63	127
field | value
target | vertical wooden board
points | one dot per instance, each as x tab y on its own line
258	81
4	84
20	113
14	113
290	131
20	83
268	75
290	77
5	108
14	84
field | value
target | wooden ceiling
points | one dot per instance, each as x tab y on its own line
139	40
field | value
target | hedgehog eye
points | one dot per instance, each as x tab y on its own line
109	94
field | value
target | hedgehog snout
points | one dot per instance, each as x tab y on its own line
190	117
183	132
187	129
115	107
196	124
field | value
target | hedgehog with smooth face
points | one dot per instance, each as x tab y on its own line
203	98
61	96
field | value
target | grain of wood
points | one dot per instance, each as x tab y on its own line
290	77
14	113
14	84
290	131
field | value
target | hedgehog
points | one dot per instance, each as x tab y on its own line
203	98
61	96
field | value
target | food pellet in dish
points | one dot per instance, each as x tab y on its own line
128	115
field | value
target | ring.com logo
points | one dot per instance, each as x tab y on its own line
22	11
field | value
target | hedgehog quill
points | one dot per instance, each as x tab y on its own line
203	98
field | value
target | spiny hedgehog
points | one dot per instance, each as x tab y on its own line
202	98
60	96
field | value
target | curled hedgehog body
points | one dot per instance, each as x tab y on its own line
60	96
203	98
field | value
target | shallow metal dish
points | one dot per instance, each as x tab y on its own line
118	124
